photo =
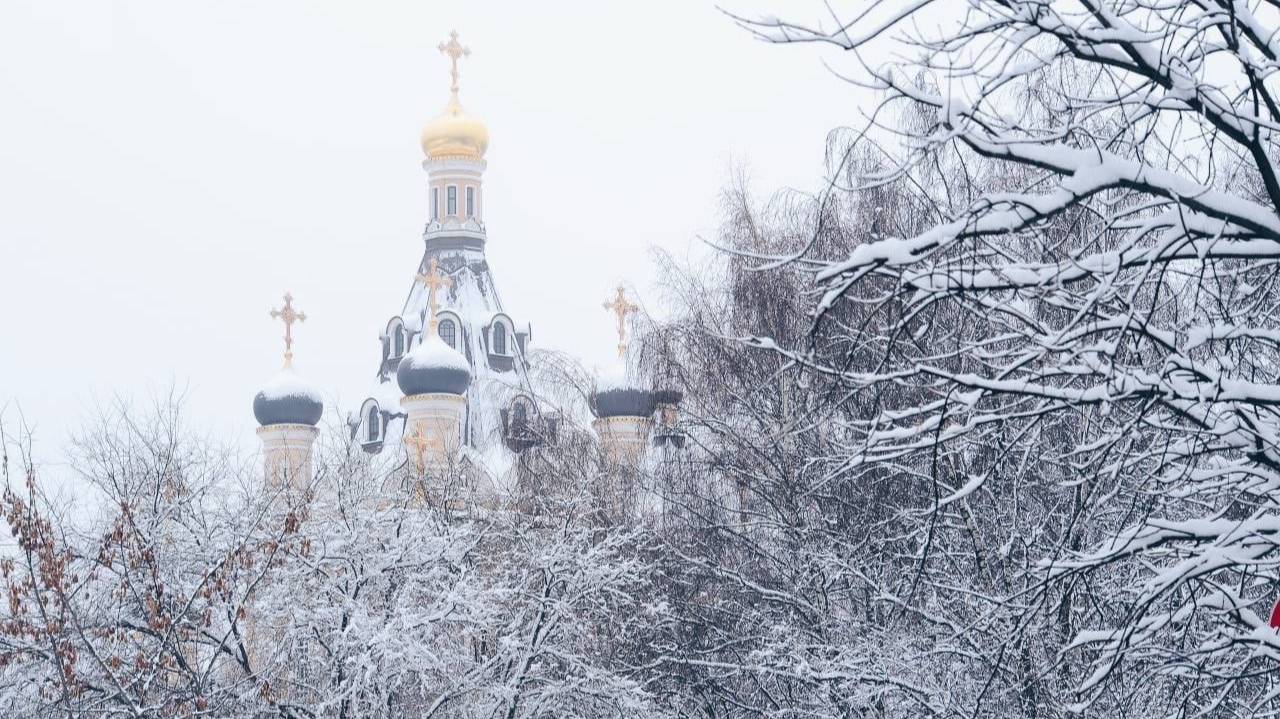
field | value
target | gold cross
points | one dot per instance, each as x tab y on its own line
621	307
420	442
455	51
288	315
433	281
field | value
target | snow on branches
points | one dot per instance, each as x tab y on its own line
1083	292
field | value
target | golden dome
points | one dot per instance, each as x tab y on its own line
454	133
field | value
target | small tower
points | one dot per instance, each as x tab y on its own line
454	143
623	409
434	378
288	408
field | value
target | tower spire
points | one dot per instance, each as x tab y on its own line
455	51
288	315
620	307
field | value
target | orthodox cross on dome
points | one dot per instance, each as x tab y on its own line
433	281
288	315
455	51
621	307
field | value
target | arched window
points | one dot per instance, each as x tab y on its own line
373	422
499	338
448	332
518	425
399	340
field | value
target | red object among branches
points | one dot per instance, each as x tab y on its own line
1275	615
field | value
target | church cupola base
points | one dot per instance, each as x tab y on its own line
433	429
624	440
286	453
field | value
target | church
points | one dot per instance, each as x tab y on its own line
458	399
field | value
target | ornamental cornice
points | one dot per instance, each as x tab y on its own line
621	421
470	224
454	162
287	430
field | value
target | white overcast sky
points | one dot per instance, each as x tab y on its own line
168	168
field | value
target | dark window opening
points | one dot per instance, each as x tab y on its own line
373	424
499	339
471	202
449	333
451	200
399	342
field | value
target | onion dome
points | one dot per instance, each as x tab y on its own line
667	396
433	367
454	133
617	396
288	399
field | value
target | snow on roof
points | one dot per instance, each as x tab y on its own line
474	301
387	394
472	298
287	384
413	321
433	352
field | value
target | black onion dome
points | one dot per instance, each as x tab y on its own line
622	402
288	399
616	397
667	396
433	367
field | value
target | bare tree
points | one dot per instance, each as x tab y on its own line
1105	264
194	589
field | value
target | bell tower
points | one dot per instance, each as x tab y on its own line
454	143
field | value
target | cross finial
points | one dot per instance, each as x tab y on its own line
433	281
288	315
621	307
455	51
